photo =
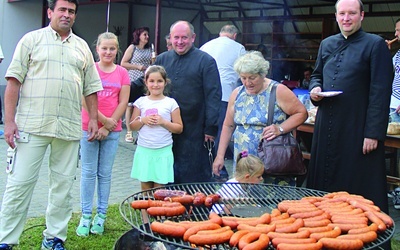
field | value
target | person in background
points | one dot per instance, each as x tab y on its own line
49	94
249	169
1	55
156	117
97	157
395	97
395	102
168	42
196	87
307	75
136	59
229	78
1	108
247	113
347	152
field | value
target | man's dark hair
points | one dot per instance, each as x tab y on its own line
308	69
52	4
398	20
136	36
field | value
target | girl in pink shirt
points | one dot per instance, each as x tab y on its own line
97	157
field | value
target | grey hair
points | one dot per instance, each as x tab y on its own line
187	23
230	29
252	62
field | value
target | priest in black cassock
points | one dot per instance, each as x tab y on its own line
350	129
195	85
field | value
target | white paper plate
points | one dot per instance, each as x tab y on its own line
329	93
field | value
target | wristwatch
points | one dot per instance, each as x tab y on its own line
280	129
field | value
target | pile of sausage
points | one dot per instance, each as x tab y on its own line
335	221
172	202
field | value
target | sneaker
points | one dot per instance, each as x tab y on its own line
5	246
84	225
55	244
129	137
396	197
98	224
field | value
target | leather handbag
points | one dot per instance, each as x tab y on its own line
282	155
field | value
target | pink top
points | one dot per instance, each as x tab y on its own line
108	98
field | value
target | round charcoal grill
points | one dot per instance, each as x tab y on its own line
244	200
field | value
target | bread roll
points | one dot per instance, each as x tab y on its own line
393	128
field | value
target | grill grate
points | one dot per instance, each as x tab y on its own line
234	196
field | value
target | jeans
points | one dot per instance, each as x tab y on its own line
97	159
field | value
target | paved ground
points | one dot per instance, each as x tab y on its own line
122	185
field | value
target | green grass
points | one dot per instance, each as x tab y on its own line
115	227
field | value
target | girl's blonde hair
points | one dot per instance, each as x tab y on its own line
163	73
108	36
247	164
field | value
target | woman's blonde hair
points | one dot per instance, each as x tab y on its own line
252	62
247	164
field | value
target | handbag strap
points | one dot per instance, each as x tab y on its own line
271	104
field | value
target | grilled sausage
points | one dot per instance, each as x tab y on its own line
385	218
248	238
316	229
161	194
292	228
184	199
261	243
366	237
328	234
199	199
213	231
371	227
277	241
335	243
316	223
168	229
261	229
308	214
202	240
234	240
211	199
168	209
193	230
298	235
346	227
375	219
302	246
214	217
